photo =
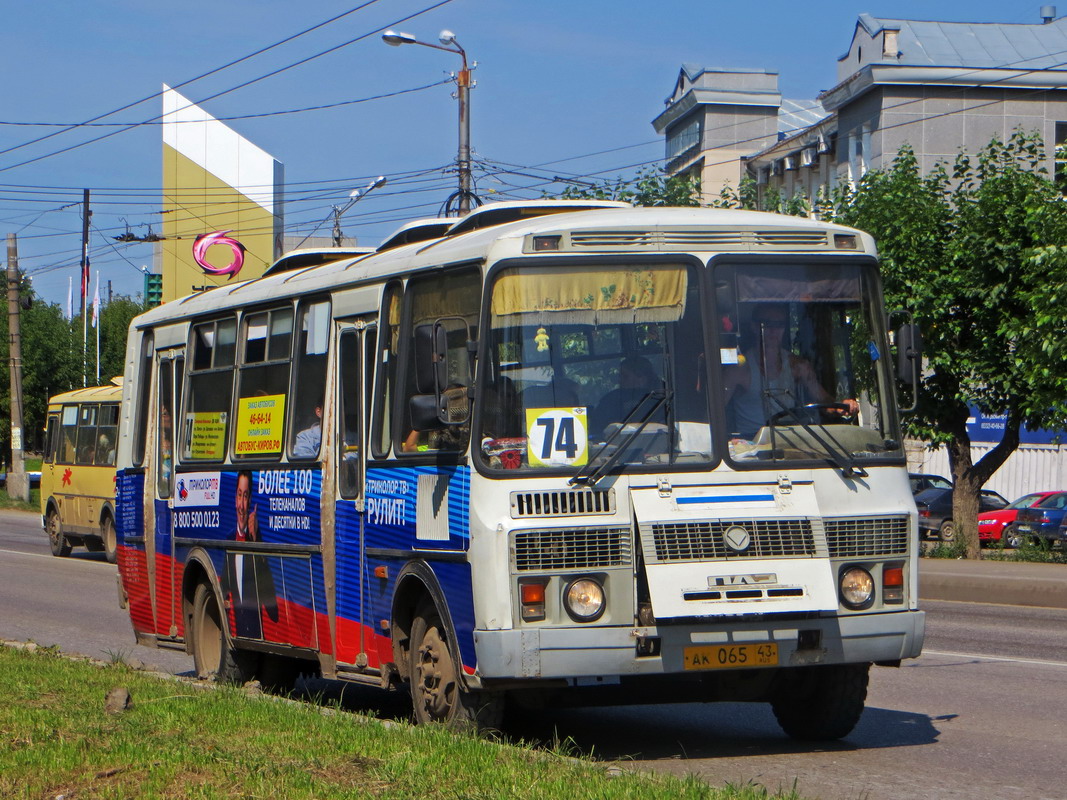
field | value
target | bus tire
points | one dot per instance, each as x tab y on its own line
822	703
107	536
438	693
56	540
214	656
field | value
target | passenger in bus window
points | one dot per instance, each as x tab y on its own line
105	450
771	379
308	440
166	446
637	378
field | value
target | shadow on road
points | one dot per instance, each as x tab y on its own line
703	731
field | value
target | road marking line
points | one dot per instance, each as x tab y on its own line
50	556
995	658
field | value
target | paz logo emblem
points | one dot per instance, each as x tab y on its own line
737	538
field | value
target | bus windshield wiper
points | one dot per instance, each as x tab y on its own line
588	475
840	458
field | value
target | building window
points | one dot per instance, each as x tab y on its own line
681	139
1061	157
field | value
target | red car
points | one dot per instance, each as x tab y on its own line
992	524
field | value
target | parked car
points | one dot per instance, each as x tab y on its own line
935	511
1043	520
996	526
920	481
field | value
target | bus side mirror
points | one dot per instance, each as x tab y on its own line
909	359
431	353
909	353
424	411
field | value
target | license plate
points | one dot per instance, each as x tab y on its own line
1023	528
731	656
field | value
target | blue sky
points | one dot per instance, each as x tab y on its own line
564	88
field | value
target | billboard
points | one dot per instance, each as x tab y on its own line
222	202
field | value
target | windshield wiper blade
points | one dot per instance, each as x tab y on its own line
588	475
840	458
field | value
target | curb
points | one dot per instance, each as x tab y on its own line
1003	583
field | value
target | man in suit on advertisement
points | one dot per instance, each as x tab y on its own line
250	586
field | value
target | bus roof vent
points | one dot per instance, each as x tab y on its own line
562	503
680	239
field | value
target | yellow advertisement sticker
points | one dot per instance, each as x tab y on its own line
259	425
557	437
207	437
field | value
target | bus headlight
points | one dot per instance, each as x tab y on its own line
584	600
857	588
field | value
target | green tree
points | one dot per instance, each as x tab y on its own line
973	254
52	359
651	187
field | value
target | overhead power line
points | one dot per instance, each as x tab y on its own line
243	85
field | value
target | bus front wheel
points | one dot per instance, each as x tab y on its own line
56	540
213	654
437	690
821	703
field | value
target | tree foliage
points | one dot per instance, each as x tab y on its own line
976	252
651	187
52	359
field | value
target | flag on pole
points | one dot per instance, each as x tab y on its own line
70	298
96	300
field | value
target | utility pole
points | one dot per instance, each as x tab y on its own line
17	484
86	216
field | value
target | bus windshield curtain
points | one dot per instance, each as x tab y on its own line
589	297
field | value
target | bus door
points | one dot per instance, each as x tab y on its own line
356	348
170	369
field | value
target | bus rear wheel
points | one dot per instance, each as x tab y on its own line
56	540
822	703
107	536
213	654
437	690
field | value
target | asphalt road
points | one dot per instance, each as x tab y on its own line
979	715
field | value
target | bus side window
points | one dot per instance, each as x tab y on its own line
107	435
51	440
86	453
266	354
387	361
210	390
309	380
68	445
442	296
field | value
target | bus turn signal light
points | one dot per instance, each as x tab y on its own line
533	601
893	584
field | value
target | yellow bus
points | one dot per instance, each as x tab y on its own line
78	470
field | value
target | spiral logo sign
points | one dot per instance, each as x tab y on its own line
205	240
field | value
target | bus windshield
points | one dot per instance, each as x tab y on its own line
605	366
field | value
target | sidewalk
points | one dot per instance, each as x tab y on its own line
1005	582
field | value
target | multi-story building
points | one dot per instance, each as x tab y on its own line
941	87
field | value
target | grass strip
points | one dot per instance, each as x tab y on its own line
178	739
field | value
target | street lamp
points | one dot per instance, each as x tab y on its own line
353	196
464	195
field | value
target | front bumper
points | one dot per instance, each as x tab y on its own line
573	652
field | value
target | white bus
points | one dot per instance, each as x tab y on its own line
564	452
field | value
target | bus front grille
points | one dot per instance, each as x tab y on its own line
571	548
699	541
562	503
866	536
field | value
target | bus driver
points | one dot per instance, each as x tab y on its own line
772	379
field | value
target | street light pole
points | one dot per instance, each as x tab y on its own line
464	195
353	197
